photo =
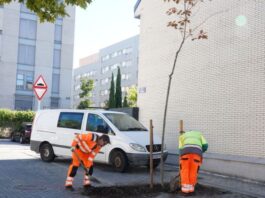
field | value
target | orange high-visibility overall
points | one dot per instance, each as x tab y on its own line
189	167
86	148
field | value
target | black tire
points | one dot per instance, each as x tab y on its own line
12	138
21	139
119	161
46	152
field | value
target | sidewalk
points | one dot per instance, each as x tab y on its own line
229	183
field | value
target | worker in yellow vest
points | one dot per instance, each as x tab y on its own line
192	145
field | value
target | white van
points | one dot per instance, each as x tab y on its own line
54	130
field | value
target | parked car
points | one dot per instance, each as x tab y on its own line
22	134
54	130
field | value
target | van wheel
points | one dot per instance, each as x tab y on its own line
46	152
119	161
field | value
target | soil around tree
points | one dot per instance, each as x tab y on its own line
157	191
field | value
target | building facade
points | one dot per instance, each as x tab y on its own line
99	67
29	49
218	86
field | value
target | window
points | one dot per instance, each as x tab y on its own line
106	57
23	102
119	52
126	63
27	29
125	122
26	54
56	58
54	103
114	54
76	97
96	124
24	80
55	83
125	76
29	81
70	120
105	69
104	81
20	81
127	50
77	87
58	34
115	66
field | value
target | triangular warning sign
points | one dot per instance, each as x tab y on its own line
40	82
40	87
40	92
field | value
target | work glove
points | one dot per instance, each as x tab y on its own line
204	147
72	148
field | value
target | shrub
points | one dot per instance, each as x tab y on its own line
12	120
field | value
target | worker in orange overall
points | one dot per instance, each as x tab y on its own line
86	146
191	147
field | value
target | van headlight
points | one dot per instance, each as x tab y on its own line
137	147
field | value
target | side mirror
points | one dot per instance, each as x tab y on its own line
110	132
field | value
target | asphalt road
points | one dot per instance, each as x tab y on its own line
24	175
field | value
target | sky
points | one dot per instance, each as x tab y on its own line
104	22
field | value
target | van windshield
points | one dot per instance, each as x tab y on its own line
125	122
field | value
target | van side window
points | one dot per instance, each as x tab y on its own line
97	124
70	120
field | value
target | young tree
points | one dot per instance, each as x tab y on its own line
112	103
87	86
49	10
118	94
125	102
132	97
183	12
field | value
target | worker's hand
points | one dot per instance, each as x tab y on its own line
72	148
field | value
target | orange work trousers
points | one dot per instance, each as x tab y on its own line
189	168
75	162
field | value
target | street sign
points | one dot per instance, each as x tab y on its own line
40	87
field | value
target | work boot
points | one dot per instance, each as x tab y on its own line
191	188
185	188
69	183
86	182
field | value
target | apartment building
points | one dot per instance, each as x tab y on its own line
99	67
29	49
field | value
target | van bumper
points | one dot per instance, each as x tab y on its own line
35	146
143	159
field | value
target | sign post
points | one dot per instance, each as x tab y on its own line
40	88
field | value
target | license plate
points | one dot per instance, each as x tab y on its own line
156	156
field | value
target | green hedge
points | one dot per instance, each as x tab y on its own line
13	119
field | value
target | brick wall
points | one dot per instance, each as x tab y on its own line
219	83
